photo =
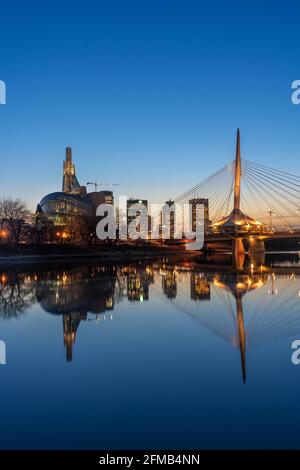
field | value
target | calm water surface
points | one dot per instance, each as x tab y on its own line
162	354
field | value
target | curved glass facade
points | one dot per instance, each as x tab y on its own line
60	207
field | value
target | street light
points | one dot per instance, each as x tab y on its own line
62	234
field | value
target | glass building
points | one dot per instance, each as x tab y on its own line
61	207
73	200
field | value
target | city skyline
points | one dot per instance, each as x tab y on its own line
149	231
135	107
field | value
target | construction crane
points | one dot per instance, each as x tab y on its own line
96	184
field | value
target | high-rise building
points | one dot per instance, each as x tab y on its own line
197	201
138	203
101	197
168	225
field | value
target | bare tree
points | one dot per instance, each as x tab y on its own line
16	296
84	230
14	215
44	230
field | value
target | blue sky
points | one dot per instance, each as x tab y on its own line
148	93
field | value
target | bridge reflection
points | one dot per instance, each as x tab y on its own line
249	206
247	309
238	285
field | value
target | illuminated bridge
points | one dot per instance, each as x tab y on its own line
248	201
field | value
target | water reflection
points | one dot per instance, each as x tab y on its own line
76	292
248	308
138	281
200	286
238	285
17	293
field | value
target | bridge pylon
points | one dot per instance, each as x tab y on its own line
237	173
241	332
238	225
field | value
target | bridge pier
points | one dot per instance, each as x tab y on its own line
238	253
256	246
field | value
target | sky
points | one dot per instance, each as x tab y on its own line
147	93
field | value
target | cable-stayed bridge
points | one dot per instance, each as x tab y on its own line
249	201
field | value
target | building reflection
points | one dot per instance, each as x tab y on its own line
138	281
70	324
218	300
200	287
75	293
169	283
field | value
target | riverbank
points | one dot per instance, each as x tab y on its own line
61	255
29	255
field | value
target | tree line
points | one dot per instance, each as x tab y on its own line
19	225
